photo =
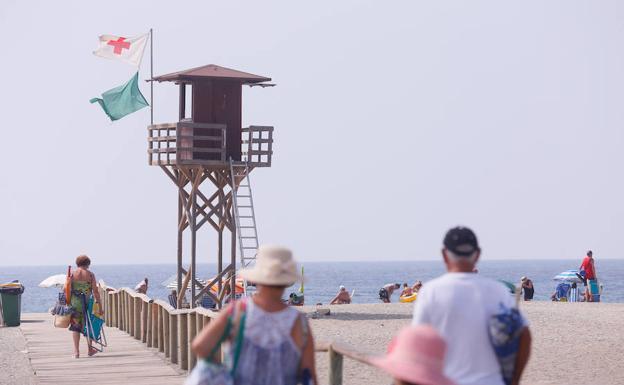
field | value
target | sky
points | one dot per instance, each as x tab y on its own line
394	121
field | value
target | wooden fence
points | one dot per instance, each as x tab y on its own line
158	325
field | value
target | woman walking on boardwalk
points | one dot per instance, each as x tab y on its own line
83	285
274	343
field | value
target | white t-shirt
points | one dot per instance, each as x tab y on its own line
458	306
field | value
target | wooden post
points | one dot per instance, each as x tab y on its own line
149	326
137	317
200	323
161	328
173	338
183	338
124	324
129	312
166	340
180	231
335	367
144	320
233	262
111	318
193	225
117	311
192	332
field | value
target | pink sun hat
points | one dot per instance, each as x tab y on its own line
416	355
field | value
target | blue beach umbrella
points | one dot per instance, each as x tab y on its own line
568	276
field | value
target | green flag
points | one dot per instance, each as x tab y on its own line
122	100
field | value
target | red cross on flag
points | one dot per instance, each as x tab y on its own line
127	49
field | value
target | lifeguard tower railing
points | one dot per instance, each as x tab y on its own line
189	143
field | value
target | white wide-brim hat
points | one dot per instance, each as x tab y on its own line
275	266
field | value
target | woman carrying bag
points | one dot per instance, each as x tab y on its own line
271	343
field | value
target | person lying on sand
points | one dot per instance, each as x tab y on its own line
386	292
342	298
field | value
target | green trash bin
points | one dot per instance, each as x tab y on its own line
11	303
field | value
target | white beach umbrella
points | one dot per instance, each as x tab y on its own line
568	276
171	283
57	280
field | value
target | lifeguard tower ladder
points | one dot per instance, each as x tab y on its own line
209	157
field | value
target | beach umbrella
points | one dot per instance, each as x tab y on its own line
509	285
57	280
568	276
171	283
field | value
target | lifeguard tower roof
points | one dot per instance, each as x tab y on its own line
212	71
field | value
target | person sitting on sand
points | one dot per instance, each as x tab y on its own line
342	298
407	291
83	286
141	287
276	345
415	356
386	292
527	288
461	305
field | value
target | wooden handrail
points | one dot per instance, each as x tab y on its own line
157	324
336	352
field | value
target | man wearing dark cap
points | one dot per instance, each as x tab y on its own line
460	305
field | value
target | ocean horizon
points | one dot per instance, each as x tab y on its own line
324	278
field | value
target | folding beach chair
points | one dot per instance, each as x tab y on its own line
574	294
173	301
207	302
562	291
94	326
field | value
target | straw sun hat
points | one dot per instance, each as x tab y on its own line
274	266
416	355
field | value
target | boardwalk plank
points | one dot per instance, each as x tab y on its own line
125	360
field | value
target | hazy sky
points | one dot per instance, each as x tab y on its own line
393	121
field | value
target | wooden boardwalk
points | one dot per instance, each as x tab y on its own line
125	360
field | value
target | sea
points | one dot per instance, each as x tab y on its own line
324	278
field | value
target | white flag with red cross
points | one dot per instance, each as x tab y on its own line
127	49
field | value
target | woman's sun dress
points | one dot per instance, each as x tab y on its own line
269	356
81	292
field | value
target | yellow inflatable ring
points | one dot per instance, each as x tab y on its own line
408	298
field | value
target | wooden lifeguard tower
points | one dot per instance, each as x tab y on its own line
209	156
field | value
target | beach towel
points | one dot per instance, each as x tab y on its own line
94	330
594	289
504	330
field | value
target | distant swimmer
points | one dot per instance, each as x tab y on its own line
386	292
342	298
527	288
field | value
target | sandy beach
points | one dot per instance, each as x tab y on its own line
572	342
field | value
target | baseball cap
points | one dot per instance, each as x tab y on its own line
461	241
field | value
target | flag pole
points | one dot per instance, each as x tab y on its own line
151	77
